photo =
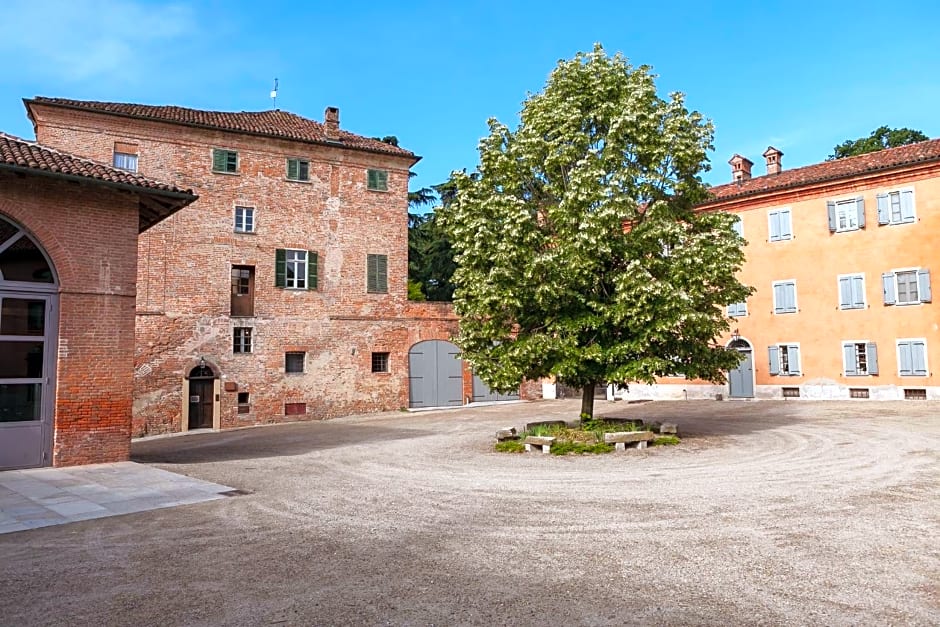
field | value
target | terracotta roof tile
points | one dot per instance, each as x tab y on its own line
830	170
276	123
21	153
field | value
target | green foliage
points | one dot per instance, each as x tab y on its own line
880	138
602	426
430	258
414	291
579	254
510	446
665	440
567	447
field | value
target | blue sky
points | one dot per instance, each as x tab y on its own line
802	76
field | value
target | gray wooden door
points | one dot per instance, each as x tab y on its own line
435	375
741	379
483	393
27	371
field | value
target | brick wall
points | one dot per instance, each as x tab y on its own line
185	268
90	234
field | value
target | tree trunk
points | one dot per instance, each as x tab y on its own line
587	401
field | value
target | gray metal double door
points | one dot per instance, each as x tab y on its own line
741	379
483	393
435	375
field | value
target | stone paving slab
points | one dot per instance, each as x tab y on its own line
41	497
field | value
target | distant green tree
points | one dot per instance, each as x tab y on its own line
579	252
430	258
880	138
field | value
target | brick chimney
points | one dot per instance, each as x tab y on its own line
331	123
740	168
773	160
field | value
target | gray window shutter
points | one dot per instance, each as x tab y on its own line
871	352
860	207
919	358
904	358
845	292
923	285
280	267
887	285
907	205
779	298
312	270
785	226
858	292
793	354
292	169
831	209
732	309
791	296
884	209
774	226
848	356
774	353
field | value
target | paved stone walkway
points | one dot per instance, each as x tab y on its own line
53	496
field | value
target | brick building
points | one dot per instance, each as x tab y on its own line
68	263
840	254
282	292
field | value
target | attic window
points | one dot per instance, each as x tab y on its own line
125	156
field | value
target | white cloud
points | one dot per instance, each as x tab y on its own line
82	40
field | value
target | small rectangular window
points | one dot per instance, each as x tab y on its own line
225	161
377	274
846	215
298	170
791	392
858	392
242	340
906	287
295	269
859	358
737	310
294	361
912	358
377	180
915	394
784	297
295	409
780	227
379	362
244	219
852	291
784	359
244	403
896	207
243	291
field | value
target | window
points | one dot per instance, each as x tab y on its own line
242	340
912	358
791	392
780	228
784	359
244	219
785	296
244	403
243	291
294	361
915	394
852	291
377	180
295	269
298	170
858	392
738	225
224	161
379	362
846	215
906	287
125	156
859	358
295	409
736	310
377	271
896	207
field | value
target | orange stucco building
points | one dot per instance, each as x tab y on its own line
840	254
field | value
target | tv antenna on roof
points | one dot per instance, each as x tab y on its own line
274	94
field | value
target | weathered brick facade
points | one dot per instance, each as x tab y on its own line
184	282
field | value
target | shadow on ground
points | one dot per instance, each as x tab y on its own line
270	441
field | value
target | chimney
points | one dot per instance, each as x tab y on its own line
740	168
331	123
773	160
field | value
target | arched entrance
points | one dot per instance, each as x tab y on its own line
201	398
741	379
28	348
435	375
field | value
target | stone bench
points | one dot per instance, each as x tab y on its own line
509	433
535	440
621	439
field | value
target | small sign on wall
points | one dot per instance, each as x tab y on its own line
193	399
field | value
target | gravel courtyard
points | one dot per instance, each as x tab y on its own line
767	513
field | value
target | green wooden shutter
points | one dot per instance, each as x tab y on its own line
383	180
312	270
372	179
382	272
219	159
292	169
280	268
372	273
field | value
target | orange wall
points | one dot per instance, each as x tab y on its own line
815	258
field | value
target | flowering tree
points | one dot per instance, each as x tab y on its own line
579	252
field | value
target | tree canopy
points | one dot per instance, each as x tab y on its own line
579	252
880	138
430	258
